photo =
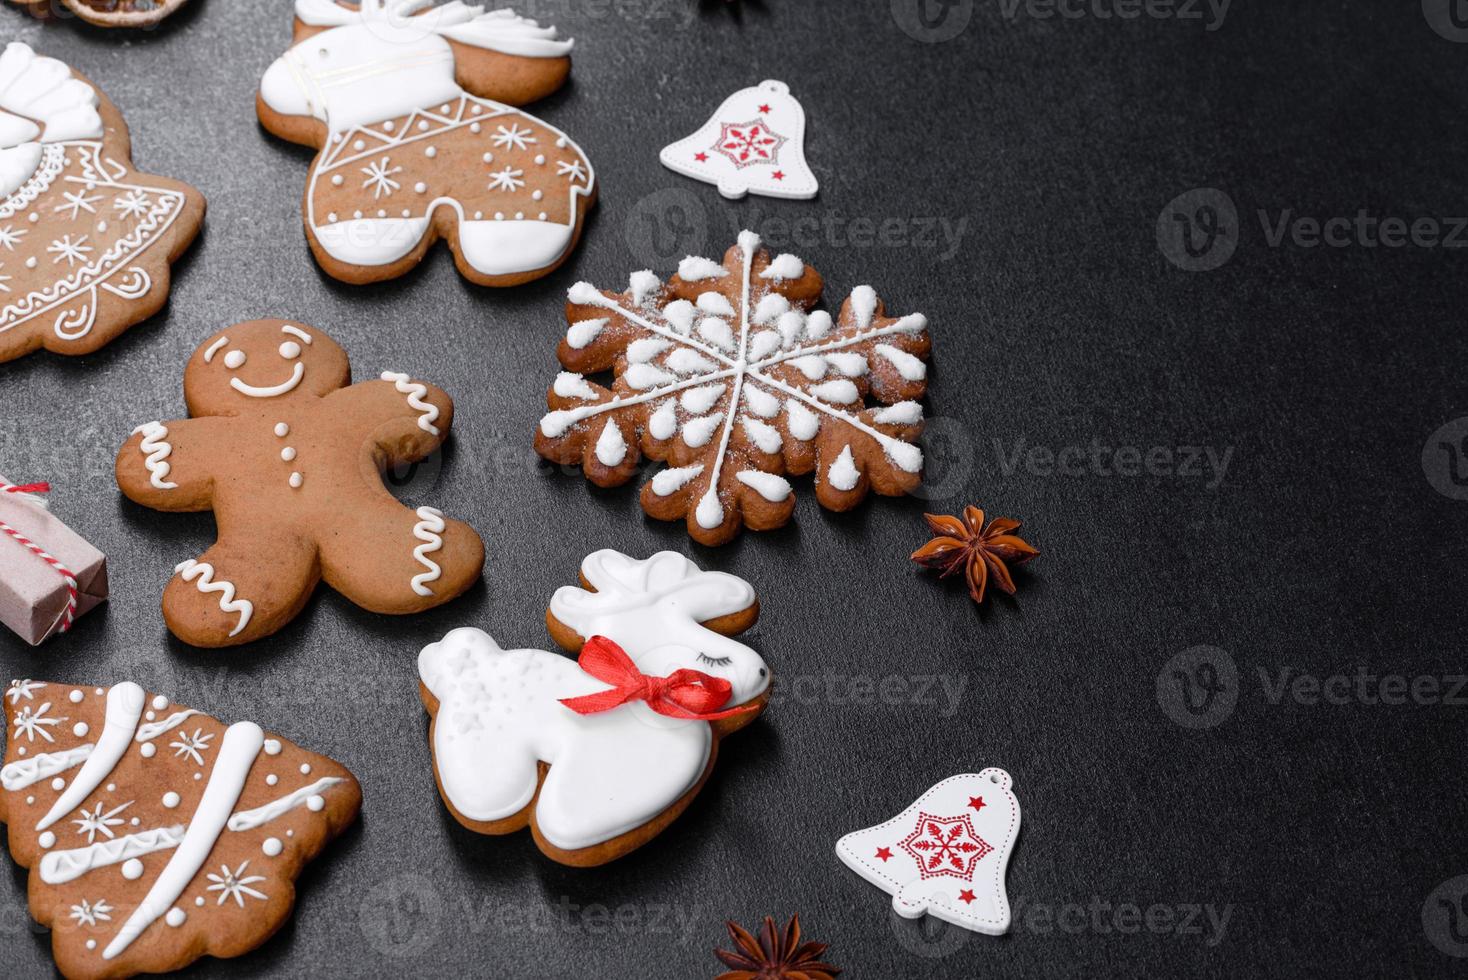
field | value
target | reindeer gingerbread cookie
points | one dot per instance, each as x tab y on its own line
600	756
289	456
399	97
86	240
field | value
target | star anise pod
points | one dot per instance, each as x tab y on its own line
774	955
979	552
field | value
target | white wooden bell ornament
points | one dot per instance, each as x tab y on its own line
753	144
946	854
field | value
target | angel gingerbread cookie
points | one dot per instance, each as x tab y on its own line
399	97
156	834
599	757
86	241
289	456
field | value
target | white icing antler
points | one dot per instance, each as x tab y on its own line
496	30
623	583
655	610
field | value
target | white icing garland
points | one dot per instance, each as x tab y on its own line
250	819
28	772
153	729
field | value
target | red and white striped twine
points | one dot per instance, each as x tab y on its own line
71	594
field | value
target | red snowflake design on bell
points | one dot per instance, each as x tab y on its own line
750	143
945	846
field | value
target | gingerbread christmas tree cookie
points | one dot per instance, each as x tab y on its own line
156	834
289	455
410	104
729	374
86	240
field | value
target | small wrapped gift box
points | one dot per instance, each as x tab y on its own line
49	575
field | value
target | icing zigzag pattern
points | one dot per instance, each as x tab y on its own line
429	530
204	572
415	392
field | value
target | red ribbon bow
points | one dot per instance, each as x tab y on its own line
685	693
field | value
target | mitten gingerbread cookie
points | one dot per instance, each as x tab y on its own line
290	459
85	240
155	834
397	96
105	13
729	374
600	757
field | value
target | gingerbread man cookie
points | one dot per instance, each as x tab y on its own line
289	458
600	756
86	240
397	95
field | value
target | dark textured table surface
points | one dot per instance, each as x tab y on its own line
1245	459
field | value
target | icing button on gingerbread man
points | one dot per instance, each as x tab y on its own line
289	455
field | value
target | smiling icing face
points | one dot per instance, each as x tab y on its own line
260	365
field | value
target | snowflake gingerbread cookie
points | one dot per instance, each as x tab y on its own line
728	373
398	95
753	144
289	455
86	241
156	834
946	854
596	757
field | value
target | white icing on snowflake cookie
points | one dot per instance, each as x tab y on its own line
729	374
